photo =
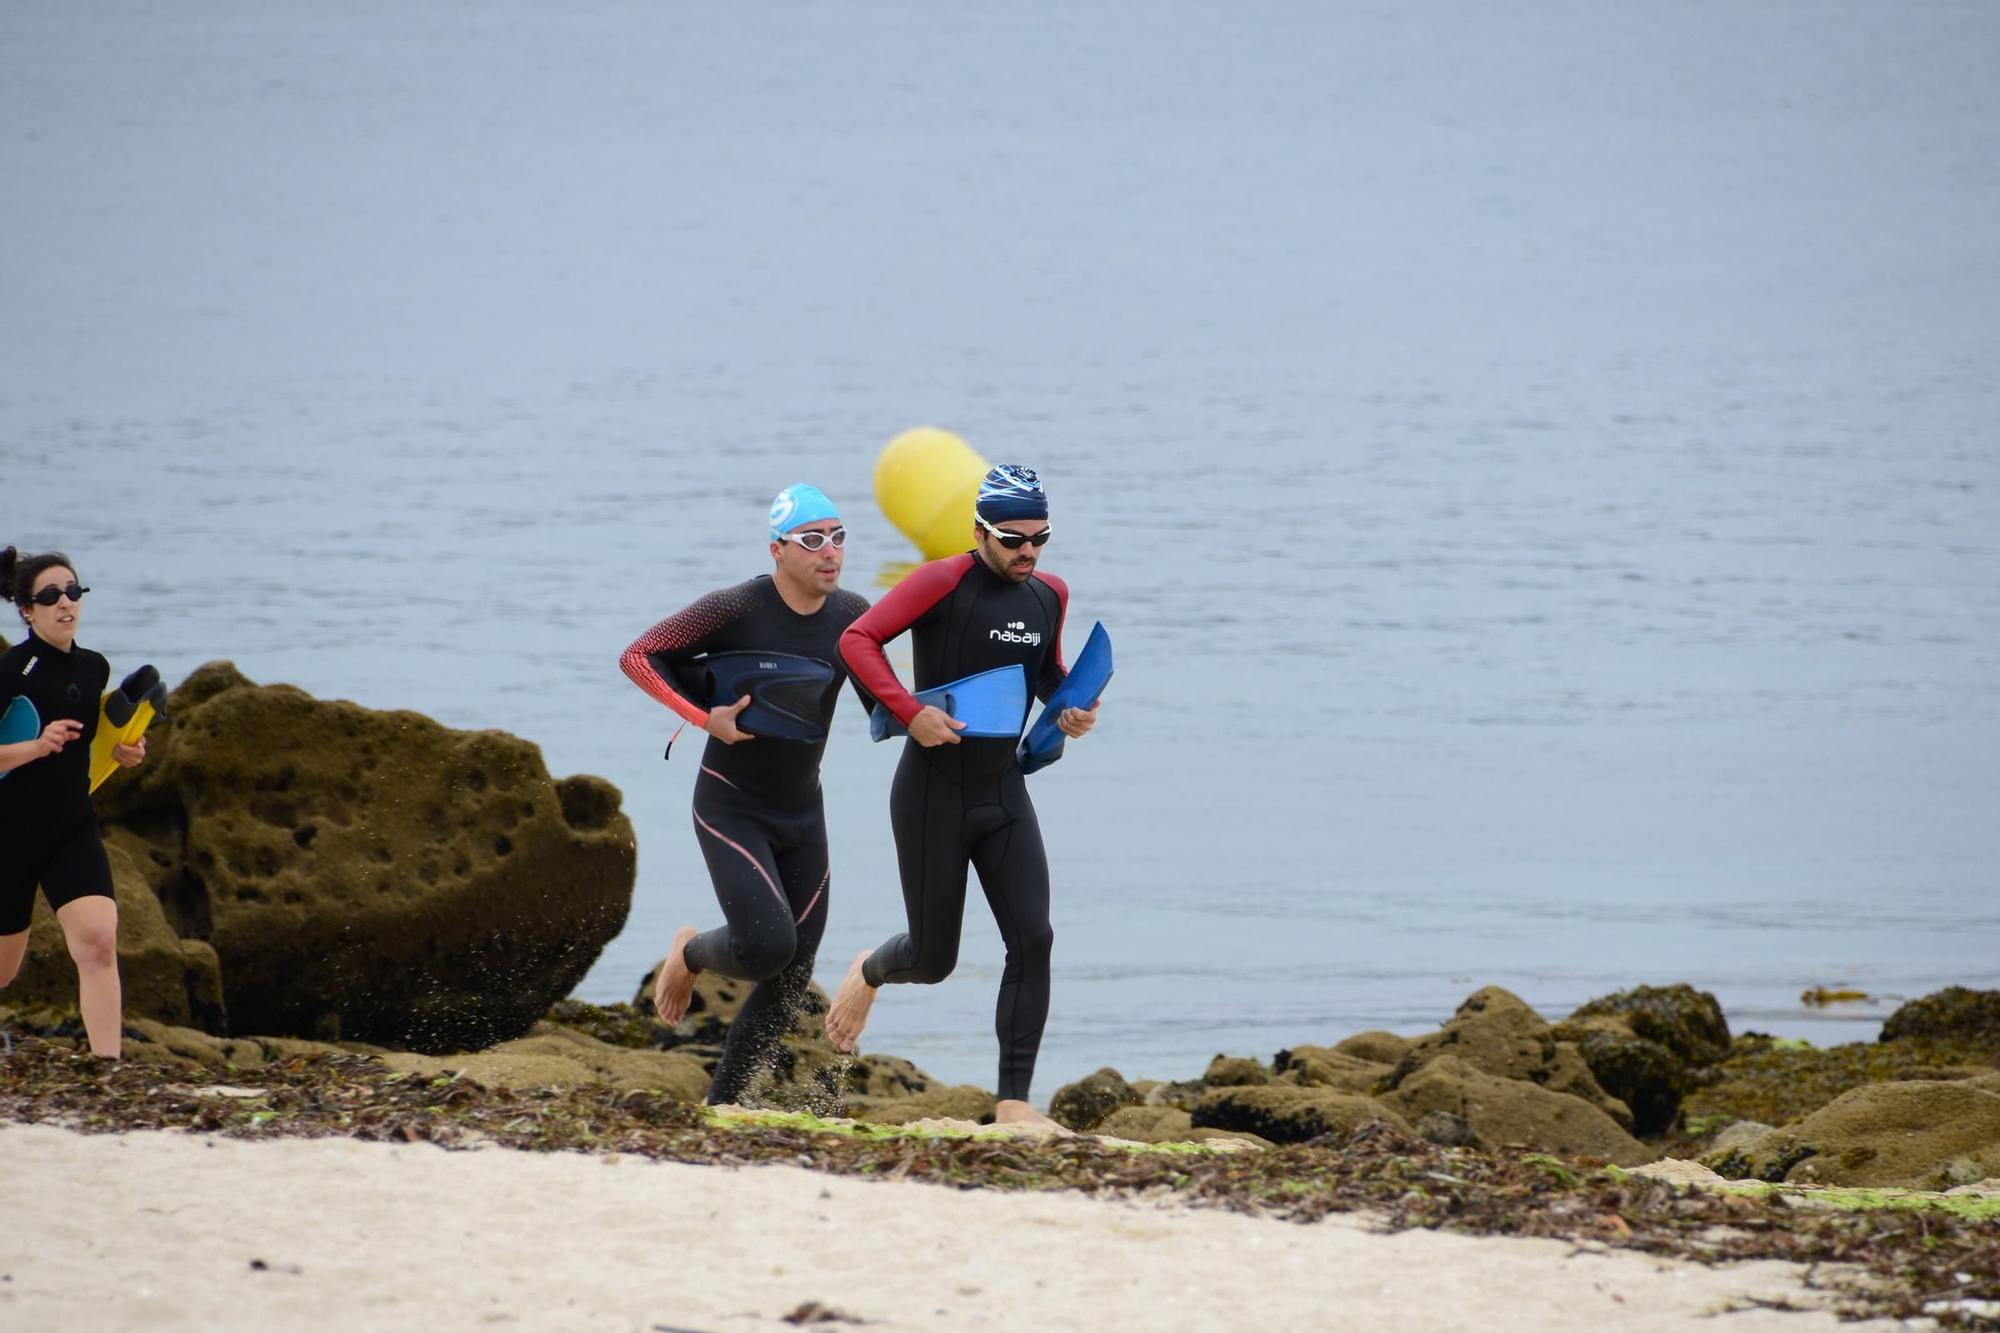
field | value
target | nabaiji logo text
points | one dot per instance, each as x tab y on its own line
1017	631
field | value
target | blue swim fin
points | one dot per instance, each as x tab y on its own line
991	704
1081	688
20	723
787	692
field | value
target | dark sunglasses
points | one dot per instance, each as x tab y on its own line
1013	541
812	541
50	595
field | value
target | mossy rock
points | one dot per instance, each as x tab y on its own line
1493	1030
1148	1124
1498	1033
1328	1067
1282	1113
1181	1095
1639	1072
1380	1047
885	1077
1082	1104
627	1025
557	1057
1969	1019
1922	1135
963	1102
1506	1111
1234	1071
369	875
1688	1022
1777	1082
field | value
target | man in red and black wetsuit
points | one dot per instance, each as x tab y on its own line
758	812
962	800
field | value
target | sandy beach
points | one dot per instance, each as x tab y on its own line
162	1230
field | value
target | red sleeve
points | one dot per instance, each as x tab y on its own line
862	643
1054	667
678	638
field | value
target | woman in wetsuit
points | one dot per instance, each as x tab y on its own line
48	828
758	813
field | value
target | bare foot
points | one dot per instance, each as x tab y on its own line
1020	1113
673	981
848	1013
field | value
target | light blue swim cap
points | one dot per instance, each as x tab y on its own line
798	505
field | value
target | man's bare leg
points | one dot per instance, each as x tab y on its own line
1012	1112
673	981
848	1013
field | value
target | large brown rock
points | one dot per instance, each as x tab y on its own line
1509	1111
373	875
1282	1113
165	978
1498	1033
1923	1134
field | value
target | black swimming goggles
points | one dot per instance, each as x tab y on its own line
1013	541
50	595
813	541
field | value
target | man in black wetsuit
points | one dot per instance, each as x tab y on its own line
961	800
758	813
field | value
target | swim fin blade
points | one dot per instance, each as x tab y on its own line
20	723
123	718
991	704
1081	688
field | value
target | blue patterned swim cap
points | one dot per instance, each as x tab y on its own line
1011	491
797	506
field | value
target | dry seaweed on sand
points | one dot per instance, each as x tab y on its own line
1890	1262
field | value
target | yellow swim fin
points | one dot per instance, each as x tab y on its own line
123	718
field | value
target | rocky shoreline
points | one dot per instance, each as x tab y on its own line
317	898
1874	1252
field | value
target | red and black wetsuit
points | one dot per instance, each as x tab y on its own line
758	813
951	806
48	827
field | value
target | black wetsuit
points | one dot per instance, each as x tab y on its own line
951	806
758	813
48	829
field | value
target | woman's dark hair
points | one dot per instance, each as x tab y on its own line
18	572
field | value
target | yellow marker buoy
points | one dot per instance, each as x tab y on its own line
927	481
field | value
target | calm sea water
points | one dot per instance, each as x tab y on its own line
1538	465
